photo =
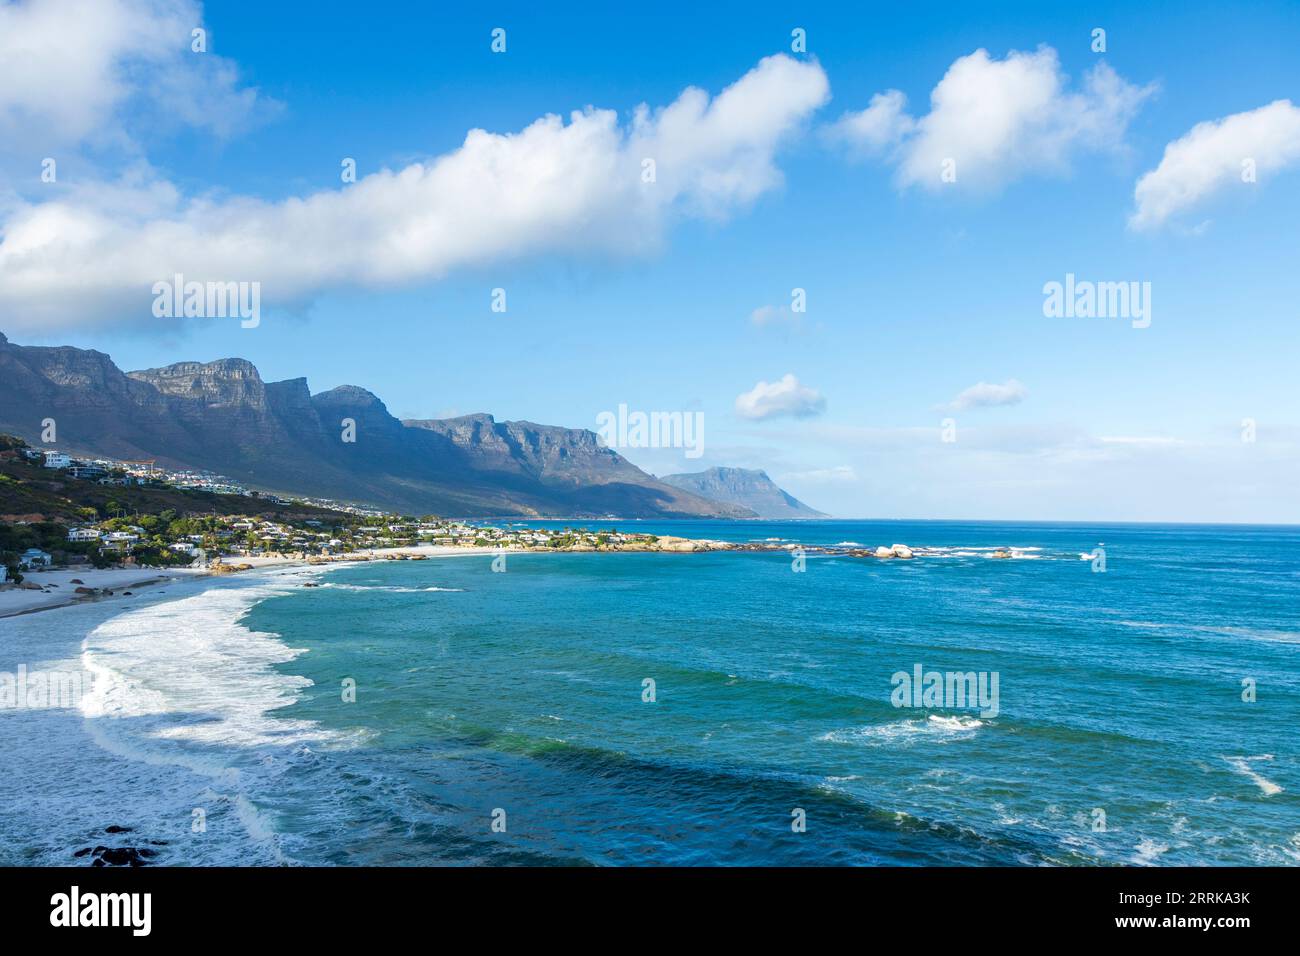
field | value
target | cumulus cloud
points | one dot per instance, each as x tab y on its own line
70	69
881	126
1215	154
986	394
996	120
785	397
557	185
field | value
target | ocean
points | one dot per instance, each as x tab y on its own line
690	709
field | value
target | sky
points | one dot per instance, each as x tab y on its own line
838	259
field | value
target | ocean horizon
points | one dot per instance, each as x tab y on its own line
719	708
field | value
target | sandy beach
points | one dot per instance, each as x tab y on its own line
58	587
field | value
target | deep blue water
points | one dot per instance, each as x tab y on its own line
1120	693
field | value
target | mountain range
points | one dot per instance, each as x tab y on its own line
277	436
745	488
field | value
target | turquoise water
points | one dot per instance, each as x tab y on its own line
1119	693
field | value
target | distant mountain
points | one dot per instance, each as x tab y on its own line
220	416
745	488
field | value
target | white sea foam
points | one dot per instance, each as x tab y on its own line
144	747
1292	849
1148	851
955	723
1028	553
1243	766
934	727
340	586
193	660
184	684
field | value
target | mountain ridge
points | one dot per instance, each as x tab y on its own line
745	487
221	416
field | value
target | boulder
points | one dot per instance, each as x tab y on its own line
901	551
883	552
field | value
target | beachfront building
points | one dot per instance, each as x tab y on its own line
34	558
119	541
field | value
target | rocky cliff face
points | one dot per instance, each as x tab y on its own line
565	455
223	382
222	417
745	488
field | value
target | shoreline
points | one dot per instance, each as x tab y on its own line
113	584
142	582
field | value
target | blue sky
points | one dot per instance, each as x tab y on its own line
916	291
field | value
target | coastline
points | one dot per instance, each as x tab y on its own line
185	692
112	584
58	587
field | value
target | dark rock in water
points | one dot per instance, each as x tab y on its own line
119	855
127	594
123	856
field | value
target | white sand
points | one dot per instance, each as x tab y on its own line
59	591
58	588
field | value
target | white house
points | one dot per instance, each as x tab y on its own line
54	459
83	534
34	558
120	540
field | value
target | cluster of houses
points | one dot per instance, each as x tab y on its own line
235	536
101	470
108	471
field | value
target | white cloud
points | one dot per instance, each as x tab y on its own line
72	70
554	186
997	120
783	397
1213	155
882	125
986	394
